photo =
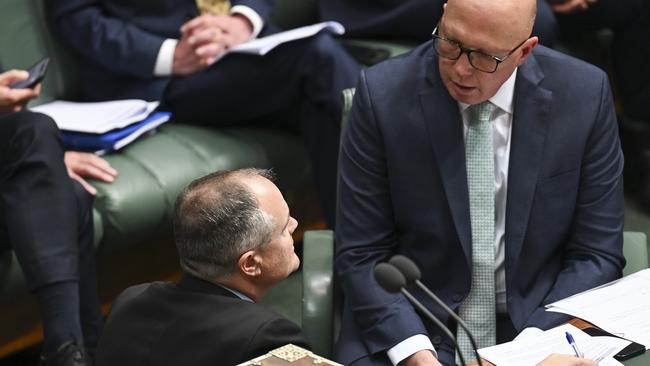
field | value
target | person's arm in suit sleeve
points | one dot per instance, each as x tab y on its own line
114	43
593	253
275	333
366	232
261	7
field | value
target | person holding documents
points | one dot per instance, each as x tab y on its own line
233	232
494	163
46	218
165	51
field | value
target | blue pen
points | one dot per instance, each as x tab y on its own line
572	342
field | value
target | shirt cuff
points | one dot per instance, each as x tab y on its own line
252	17
408	347
165	59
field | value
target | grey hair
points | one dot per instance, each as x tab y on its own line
216	219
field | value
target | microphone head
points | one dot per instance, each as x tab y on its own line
389	277
407	267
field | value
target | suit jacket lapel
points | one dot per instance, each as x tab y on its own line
444	124
530	122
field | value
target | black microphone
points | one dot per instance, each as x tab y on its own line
392	280
412	274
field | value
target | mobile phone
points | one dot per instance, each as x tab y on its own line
36	75
632	350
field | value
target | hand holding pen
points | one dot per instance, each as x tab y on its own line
573	344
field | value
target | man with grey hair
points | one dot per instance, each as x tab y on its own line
233	232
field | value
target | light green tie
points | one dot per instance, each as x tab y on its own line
479	308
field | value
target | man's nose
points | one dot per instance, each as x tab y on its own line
462	65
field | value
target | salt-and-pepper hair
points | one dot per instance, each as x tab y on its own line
216	219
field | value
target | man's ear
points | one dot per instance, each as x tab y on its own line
250	264
527	49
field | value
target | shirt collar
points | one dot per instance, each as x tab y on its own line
504	96
237	293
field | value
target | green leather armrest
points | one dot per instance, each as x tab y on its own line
318	290
635	250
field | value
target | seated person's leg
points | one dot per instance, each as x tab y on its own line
90	306
40	210
304	76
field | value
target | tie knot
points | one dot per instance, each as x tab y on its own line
481	112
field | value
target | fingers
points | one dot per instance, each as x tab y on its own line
571	5
205	36
208	53
87	186
12	76
556	359
89	165
204	21
16	98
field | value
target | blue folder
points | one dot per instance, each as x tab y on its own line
115	139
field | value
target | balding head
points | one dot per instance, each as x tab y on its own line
500	19
494	30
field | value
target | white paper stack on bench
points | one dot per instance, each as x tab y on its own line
99	117
262	46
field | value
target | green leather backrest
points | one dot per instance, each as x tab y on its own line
307	296
635	250
294	13
25	39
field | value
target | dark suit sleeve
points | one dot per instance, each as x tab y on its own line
262	7
593	254
275	333
114	43
366	231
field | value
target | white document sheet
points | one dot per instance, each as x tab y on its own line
621	307
97	117
533	349
262	46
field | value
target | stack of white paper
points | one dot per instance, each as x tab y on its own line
533	349
621	307
262	46
99	117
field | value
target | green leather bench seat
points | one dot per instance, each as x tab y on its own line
133	214
154	170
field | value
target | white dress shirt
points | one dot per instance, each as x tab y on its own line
165	59
501	131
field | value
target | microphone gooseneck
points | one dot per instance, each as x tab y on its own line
392	280
412	274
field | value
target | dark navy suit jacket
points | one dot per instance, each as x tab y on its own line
384	18
118	41
409	19
191	323
403	189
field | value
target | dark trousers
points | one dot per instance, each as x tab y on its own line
630	22
45	217
298	83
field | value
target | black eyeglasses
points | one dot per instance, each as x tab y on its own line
452	50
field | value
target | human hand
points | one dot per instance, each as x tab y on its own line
14	100
212	34
421	358
565	360
571	6
186	61
86	165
